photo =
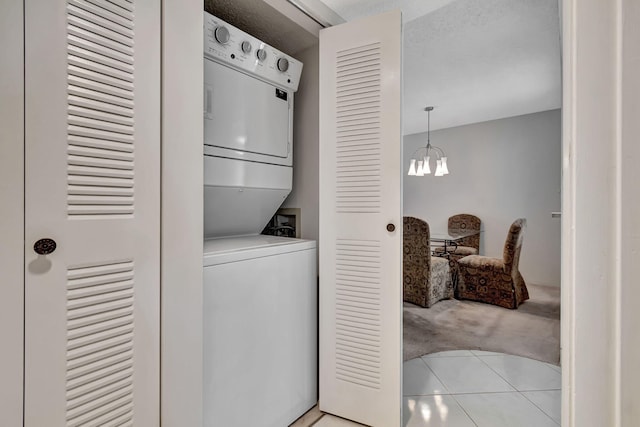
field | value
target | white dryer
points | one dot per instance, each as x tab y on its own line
248	129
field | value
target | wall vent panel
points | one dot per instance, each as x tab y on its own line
100	334
100	112
357	310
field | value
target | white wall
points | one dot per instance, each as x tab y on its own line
305	146
499	171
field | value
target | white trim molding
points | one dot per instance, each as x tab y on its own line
11	211
182	213
628	158
601	230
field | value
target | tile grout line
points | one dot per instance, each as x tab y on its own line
491	369
498	374
512	385
433	355
504	392
519	391
534	404
460	404
479	392
464	410
452	395
437	377
539	408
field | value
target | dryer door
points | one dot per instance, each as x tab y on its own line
244	115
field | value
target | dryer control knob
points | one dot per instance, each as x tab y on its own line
261	54
283	64
246	46
221	34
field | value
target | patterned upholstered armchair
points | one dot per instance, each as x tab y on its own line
427	279
495	280
468	245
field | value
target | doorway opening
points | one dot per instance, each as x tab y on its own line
481	317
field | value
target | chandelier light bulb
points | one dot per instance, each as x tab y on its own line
445	169
420	172
412	168
426	169
439	171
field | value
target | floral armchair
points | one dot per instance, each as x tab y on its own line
495	280
426	279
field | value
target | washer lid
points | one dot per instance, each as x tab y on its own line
233	249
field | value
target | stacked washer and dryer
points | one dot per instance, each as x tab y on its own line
260	292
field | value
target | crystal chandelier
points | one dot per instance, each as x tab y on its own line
420	165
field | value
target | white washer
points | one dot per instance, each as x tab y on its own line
260	331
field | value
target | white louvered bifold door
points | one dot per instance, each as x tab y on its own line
360	204
92	159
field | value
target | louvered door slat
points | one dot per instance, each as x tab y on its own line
125	4
91	71
78	52
87	398
110	20
100	105
99	152
90	287
102	116
99	134
102	161
76	19
87	32
113	8
86	141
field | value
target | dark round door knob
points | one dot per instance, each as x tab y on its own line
391	227
44	246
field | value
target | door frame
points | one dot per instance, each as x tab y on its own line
597	327
11	211
181	221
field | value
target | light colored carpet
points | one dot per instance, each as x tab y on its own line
533	330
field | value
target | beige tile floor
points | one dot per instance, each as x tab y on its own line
471	389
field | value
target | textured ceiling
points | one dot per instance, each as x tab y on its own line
474	60
411	9
264	22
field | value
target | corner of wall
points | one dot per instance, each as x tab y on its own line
306	145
